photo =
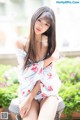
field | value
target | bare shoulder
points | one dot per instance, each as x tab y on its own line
22	42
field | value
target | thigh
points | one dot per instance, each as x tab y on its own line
34	111
48	108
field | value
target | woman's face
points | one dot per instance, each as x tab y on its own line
41	26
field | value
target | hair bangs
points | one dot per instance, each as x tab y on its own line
47	16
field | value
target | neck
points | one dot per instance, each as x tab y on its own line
38	38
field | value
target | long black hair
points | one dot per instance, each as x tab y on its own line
47	14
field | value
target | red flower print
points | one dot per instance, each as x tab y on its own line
50	75
23	92
28	91
34	69
40	71
44	95
50	88
34	64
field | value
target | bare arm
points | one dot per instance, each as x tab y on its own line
47	61
35	90
26	104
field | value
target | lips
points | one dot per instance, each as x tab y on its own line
38	29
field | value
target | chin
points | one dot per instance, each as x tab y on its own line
38	33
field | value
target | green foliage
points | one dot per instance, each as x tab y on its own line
8	84
68	70
7	94
71	97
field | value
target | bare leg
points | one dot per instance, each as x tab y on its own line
48	108
34	111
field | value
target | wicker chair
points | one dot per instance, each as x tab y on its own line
14	109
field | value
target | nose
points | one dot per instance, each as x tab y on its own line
40	25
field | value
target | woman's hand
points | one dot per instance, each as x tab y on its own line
25	106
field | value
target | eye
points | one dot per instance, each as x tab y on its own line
39	20
47	24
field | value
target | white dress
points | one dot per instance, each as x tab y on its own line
49	80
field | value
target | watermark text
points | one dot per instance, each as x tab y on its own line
67	2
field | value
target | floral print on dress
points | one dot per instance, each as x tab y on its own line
49	80
34	69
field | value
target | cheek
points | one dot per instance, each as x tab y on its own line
34	25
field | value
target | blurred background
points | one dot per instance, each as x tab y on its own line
15	18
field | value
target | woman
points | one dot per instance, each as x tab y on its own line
39	83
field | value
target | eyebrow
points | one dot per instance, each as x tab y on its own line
45	20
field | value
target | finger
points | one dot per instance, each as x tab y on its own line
22	114
21	110
26	113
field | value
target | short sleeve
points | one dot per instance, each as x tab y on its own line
20	55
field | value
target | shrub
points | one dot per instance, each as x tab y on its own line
68	70
71	96
7	94
8	84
